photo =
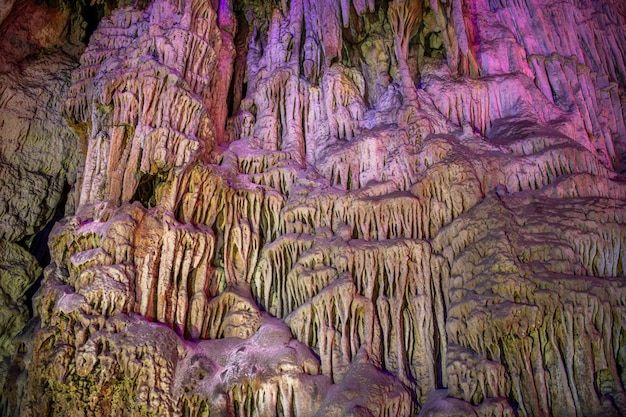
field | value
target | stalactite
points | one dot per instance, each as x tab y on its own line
316	208
512	332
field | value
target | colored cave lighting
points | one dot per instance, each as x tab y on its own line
312	208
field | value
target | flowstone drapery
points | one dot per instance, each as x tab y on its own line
314	208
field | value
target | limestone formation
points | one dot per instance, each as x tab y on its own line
313	208
39	155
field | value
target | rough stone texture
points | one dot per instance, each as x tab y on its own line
39	154
316	208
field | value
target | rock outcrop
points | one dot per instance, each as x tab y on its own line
314	208
40	156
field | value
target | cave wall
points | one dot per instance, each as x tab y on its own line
313	208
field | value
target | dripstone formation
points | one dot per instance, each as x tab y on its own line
313	208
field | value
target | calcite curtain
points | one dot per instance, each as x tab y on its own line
312	208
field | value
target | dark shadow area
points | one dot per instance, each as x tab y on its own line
39	246
146	190
92	14
238	84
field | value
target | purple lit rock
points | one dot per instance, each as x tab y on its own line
314	208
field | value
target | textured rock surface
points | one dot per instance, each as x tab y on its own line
39	154
315	208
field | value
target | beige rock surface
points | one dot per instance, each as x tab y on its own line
316	208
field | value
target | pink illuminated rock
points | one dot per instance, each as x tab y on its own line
316	208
